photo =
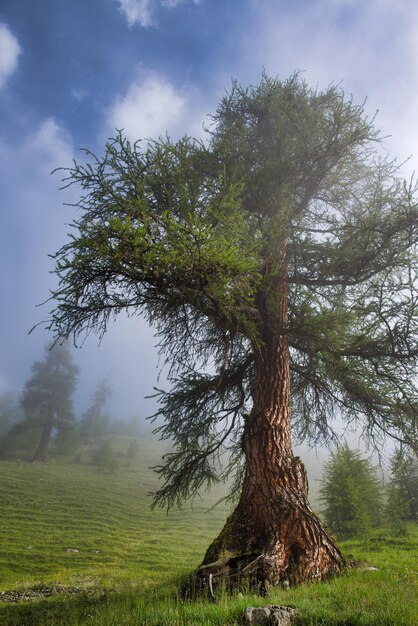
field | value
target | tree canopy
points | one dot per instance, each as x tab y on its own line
289	196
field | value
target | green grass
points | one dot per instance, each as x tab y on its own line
130	560
49	510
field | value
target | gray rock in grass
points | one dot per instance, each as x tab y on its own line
370	569
271	615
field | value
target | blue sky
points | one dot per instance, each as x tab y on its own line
73	71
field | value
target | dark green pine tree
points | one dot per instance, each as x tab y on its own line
351	494
278	264
46	398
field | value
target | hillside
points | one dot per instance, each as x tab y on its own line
84	547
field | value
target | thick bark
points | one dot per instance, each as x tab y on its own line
273	536
41	453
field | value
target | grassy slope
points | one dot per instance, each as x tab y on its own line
132	558
49	510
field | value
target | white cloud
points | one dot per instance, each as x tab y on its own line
25	170
49	146
369	46
34	201
137	12
79	94
32	225
150	108
141	11
9	54
173	3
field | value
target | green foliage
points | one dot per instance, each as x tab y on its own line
396	510
289	198
51	386
351	494
105	456
402	492
16	437
67	440
18	442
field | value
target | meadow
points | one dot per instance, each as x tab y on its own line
80	545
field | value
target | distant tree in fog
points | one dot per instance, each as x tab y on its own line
92	418
46	398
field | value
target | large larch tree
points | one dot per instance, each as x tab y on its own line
277	262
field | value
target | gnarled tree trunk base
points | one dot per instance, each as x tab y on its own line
279	565
291	547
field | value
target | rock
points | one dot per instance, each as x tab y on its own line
41	591
369	569
272	614
260	615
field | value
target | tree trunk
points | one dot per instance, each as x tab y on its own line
40	455
273	536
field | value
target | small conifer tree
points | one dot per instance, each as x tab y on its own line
396	510
351	494
402	492
46	403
